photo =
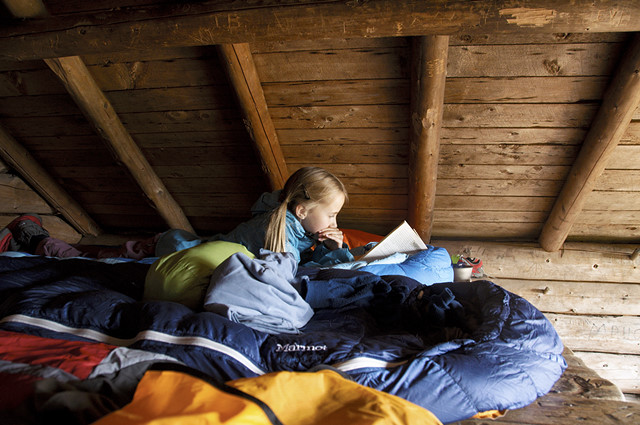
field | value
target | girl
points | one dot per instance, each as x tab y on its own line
310	202
295	219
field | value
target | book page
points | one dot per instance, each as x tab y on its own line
402	239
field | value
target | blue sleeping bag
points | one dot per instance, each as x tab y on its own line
455	349
432	265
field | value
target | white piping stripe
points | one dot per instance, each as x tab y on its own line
147	334
365	362
346	366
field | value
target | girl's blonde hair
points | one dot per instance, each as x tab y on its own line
309	186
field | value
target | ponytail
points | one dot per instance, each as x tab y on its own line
309	186
275	236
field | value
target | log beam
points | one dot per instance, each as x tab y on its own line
96	107
208	23
611	122
25	164
429	73
242	72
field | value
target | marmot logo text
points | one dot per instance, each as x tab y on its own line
296	347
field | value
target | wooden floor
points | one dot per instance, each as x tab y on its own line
579	397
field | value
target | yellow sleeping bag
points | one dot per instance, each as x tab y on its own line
327	398
183	276
289	398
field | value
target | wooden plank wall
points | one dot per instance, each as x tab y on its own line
517	110
178	107
344	105
590	292
40	115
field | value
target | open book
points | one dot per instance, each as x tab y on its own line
403	239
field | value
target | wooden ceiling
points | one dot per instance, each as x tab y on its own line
485	119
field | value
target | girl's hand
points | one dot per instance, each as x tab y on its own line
331	237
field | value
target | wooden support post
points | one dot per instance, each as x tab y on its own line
429	73
29	169
615	113
76	77
242	72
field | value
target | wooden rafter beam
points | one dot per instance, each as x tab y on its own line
429	73
611	122
96	107
30	170
242	72
208	23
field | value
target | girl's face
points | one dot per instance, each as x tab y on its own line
322	216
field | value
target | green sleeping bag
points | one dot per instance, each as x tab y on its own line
183	276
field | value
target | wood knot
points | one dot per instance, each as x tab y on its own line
552	67
584	384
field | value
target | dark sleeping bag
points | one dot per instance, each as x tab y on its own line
453	348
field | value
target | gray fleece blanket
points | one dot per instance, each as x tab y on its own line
262	293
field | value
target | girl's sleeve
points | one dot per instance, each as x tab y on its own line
323	256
